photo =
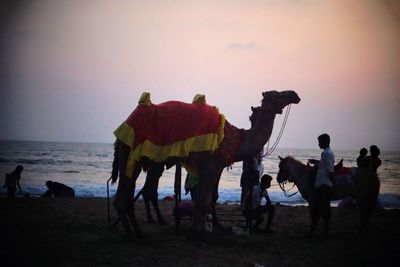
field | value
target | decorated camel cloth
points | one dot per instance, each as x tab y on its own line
343	184
227	151
344	175
170	129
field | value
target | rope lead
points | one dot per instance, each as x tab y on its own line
278	138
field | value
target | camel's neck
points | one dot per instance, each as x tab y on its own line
258	135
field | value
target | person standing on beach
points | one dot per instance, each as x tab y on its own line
373	160
361	160
12	181
250	183
323	185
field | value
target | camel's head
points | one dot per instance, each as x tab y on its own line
277	101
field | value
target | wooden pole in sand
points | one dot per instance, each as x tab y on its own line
177	196
108	202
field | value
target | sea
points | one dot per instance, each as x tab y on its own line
86	167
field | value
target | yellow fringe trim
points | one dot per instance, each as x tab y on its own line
125	134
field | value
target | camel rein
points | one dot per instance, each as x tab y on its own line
275	144
282	186
278	138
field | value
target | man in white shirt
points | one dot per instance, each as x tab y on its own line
321	205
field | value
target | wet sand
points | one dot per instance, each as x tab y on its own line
75	232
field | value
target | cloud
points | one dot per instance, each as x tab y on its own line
242	46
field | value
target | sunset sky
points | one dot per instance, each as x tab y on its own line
74	70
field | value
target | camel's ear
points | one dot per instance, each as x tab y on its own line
252	109
264	94
280	158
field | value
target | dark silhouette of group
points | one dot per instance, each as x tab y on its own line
253	192
372	162
55	189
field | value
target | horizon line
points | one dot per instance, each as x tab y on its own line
104	142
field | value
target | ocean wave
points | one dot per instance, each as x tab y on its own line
43	161
390	200
3	160
103	155
27	161
394	161
387	200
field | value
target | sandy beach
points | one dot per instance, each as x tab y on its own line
75	232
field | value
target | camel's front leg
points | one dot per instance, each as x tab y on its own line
123	201
121	204
131	206
204	192
214	199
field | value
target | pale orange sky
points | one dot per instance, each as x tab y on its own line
73	70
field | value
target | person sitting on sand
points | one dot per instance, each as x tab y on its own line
56	189
268	207
191	182
12	181
249	205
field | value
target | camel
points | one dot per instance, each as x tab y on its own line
150	187
235	145
358	183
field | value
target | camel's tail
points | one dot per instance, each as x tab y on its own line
114	172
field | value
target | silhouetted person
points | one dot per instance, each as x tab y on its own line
268	207
373	160
323	185
362	160
12	181
191	182
250	183
56	189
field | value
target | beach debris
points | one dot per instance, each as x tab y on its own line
240	230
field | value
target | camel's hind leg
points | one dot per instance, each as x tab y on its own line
150	192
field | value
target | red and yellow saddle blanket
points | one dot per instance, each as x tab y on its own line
170	129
